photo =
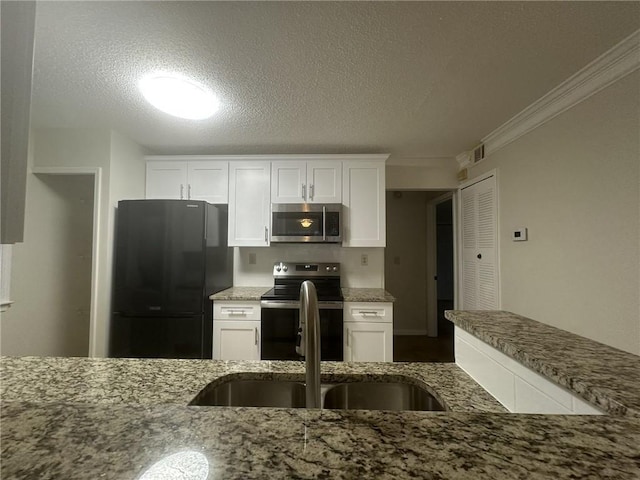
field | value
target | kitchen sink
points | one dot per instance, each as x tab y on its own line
358	395
380	396
253	393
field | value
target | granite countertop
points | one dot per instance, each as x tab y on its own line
116	418
605	376
366	295
349	294
240	293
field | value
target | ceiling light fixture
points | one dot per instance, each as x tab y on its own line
179	96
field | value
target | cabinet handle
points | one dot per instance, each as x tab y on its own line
236	312
181	191
256	336
324	222
266	235
311	188
304	191
189	191
368	312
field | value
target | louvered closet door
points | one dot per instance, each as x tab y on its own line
479	246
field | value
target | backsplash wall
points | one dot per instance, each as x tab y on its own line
354	274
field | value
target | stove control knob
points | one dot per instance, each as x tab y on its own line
335	269
328	269
285	268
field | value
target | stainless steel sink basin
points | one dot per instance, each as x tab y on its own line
361	395
380	396
253	393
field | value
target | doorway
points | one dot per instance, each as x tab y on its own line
414	236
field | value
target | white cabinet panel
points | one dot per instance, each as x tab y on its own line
363	197
494	378
288	182
208	181
368	342
306	182
236	340
166	180
249	203
235	310
368	331
518	388
324	182
531	400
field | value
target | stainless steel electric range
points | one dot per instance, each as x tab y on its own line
281	310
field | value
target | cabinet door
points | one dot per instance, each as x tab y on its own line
249	205
166	180
289	182
324	182
364	201
236	340
368	342
208	181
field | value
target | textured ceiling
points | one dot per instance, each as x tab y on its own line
415	79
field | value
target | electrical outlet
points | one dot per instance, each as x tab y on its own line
252	259
364	259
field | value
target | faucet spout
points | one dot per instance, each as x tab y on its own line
310	342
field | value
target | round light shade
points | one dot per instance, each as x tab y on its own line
178	96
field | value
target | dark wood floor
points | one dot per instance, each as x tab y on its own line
421	348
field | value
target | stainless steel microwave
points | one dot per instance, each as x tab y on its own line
306	223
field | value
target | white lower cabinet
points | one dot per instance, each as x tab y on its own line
236	330
368	332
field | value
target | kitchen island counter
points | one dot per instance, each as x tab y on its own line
116	418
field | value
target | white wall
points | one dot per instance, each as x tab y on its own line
123	174
574	183
51	275
440	175
353	273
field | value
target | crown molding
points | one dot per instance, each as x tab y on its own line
611	66
463	159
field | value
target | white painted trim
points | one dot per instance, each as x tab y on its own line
616	63
97	182
411	331
432	262
425	162
368	157
463	159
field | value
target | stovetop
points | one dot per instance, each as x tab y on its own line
288	278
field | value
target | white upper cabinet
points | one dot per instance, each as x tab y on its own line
166	180
306	181
208	181
187	178
363	197
249	203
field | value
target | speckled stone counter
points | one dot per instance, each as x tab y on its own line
240	293
605	376
116	419
366	295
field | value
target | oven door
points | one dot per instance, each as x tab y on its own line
279	329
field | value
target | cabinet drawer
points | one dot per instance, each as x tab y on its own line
231	310
368	312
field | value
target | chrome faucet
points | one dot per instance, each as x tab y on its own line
308	342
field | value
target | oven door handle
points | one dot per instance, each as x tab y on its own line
280	304
295	304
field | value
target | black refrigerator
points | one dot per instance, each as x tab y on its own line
170	255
